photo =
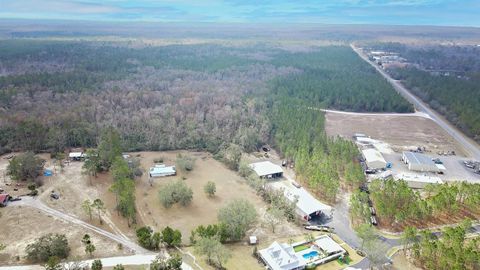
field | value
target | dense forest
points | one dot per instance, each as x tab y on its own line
445	77
456	98
55	95
62	94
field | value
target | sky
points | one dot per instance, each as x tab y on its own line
395	12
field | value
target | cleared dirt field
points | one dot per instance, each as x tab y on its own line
401	132
202	210
22	225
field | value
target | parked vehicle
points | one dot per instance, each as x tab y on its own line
55	196
319	228
15	199
372	211
437	161
370	171
361	252
364	188
295	184
373	220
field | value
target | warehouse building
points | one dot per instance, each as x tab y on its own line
374	159
266	169
421	163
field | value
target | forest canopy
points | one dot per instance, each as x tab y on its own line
57	94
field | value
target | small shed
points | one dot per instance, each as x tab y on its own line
160	170
374	159
253	240
266	169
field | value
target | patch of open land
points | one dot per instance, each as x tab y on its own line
203	209
22	225
401	132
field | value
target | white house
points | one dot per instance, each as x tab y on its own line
280	256
161	170
266	169
374	159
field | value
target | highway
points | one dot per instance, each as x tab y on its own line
470	147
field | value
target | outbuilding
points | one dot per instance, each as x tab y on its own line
374	159
160	170
266	169
76	156
419	162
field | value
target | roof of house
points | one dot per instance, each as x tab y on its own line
327	244
372	155
162	169
306	203
281	257
265	168
416	158
76	154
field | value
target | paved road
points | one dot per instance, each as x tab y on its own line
470	147
142	259
415	114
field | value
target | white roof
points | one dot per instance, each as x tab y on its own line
372	155
419	178
265	168
441	167
327	244
162	169
306	203
280	257
75	154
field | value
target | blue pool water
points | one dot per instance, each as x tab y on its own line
310	254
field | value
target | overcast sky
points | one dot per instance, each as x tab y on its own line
401	12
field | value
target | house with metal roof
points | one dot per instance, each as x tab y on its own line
374	159
306	205
420	162
266	169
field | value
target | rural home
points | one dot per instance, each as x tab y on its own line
281	256
160	170
306	205
76	156
266	169
4	200
421	163
374	159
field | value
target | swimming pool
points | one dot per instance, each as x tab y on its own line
310	254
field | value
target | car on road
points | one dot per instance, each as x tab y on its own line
361	252
320	228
